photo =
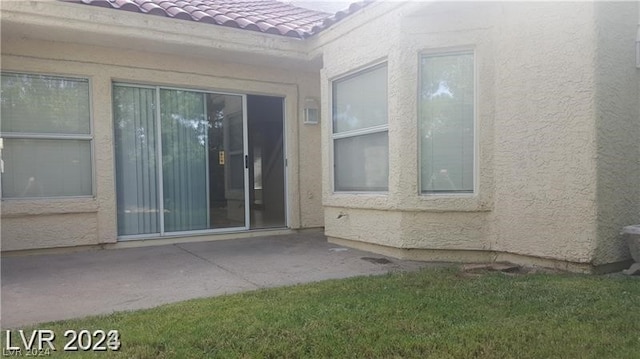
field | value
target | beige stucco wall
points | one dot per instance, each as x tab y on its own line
545	187
29	224
618	126
545	141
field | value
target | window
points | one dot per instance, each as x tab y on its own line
46	128
360	131
446	120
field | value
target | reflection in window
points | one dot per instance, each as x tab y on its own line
446	120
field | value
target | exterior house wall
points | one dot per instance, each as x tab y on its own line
541	176
557	116
618	126
544	160
46	223
417	221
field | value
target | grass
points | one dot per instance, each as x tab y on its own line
429	314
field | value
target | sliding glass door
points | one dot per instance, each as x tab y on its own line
184	160
179	160
136	152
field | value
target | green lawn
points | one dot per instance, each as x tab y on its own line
435	313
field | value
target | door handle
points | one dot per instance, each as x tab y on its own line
246	161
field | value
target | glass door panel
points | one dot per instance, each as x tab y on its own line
184	160
136	163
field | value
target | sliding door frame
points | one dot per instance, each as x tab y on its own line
245	144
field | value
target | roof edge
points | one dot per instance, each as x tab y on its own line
84	23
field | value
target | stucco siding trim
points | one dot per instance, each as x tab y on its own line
36	207
479	256
48	231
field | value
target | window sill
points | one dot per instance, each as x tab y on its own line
369	200
447	202
417	203
47	206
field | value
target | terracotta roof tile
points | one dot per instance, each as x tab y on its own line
247	24
190	8
268	16
125	5
225	21
212	12
203	17
150	8
263	26
178	13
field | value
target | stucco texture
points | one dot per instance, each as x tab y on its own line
556	130
93	51
618	127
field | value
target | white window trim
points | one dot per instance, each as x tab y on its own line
449	52
45	136
361	132
354	133
55	136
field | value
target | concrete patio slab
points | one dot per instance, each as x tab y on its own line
42	288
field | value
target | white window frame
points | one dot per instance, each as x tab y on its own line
358	132
56	136
449	52
245	138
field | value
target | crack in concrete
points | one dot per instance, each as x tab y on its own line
131	300
219	266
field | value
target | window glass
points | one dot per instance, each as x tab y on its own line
46	168
362	163
360	139
447	123
136	160
184	160
45	104
46	127
360	101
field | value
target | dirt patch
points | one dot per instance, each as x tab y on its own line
376	260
